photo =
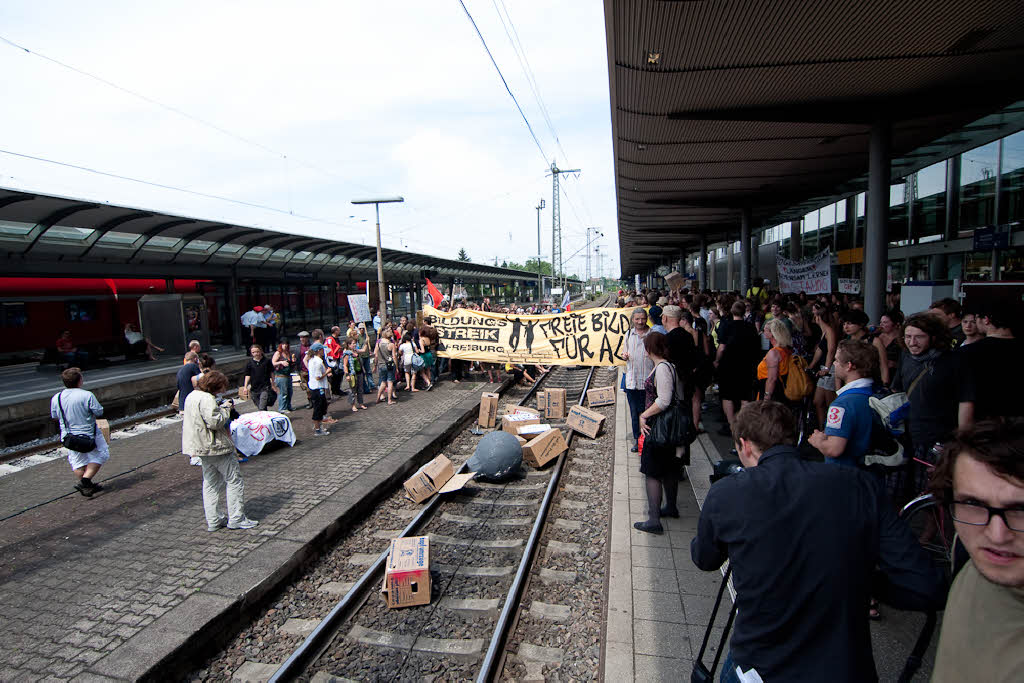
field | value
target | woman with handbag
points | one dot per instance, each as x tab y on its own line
665	424
283	362
77	409
638	367
353	369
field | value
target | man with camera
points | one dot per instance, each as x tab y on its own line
804	540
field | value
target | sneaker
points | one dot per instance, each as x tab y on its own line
320	432
86	491
219	525
246	523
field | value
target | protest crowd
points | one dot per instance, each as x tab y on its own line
808	387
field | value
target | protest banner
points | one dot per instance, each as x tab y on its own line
360	307
811	275
849	285
595	336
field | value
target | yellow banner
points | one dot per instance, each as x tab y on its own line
594	336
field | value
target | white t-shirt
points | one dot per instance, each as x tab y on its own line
133	337
406	350
316	368
252	319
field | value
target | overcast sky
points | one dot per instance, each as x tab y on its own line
363	98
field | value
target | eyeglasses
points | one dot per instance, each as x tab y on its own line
977	514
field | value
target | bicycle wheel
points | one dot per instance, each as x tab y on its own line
932	526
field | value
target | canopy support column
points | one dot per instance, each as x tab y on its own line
876	240
745	244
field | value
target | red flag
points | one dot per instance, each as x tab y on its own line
435	294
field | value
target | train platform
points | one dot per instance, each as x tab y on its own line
123	388
659	603
122	585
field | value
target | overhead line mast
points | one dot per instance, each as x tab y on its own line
557	269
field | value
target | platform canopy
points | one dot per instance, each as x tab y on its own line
61	236
721	105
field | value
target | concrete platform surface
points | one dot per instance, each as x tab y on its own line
123	584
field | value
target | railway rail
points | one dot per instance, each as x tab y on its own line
471	561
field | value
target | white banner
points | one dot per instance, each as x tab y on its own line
811	275
360	306
849	285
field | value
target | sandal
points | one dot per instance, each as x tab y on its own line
873	613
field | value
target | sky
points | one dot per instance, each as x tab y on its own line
298	108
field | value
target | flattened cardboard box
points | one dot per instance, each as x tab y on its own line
488	409
544	448
407	572
601	396
555	409
511	423
437	476
585	421
542	401
530	431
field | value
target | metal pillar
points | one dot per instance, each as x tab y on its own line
728	264
556	221
702	264
938	264
540	273
796	245
745	220
233	315
876	241
755	261
996	209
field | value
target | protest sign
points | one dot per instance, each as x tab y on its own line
595	336
849	285
360	307
811	275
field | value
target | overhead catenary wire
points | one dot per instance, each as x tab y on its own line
504	82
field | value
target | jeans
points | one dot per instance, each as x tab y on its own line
728	674
637	398
284	392
222	489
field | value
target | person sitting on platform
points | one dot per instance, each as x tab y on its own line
67	353
76	410
138	344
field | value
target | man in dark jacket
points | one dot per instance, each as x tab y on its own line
804	540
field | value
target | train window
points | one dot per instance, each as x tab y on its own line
13	314
80	311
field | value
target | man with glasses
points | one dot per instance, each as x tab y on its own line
982	479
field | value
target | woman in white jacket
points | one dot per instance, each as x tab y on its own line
204	434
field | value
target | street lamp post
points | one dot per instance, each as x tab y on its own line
383	305
540	272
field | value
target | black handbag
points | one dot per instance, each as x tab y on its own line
674	425
76	442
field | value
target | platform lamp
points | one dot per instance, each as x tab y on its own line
383	309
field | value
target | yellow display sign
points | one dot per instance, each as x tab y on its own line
594	336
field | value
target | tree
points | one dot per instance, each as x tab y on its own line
463	256
531	267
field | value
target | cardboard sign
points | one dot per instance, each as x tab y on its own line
437	476
595	336
359	305
512	423
555	409
601	396
407	572
584	421
544	448
488	409
530	431
811	275
542	401
104	427
849	285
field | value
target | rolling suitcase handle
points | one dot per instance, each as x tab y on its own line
700	673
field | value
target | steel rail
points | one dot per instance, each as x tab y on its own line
320	638
492	660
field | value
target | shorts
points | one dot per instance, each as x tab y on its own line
828	382
409	368
386	375
98	455
319	400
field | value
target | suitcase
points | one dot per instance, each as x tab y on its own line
701	674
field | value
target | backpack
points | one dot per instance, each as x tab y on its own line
798	384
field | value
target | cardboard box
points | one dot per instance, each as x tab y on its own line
437	476
530	431
525	410
585	421
555	407
104	427
488	409
407	572
512	423
544	448
521	440
542	401
601	396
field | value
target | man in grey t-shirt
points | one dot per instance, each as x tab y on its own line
76	410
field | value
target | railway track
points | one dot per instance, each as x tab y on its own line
484	543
